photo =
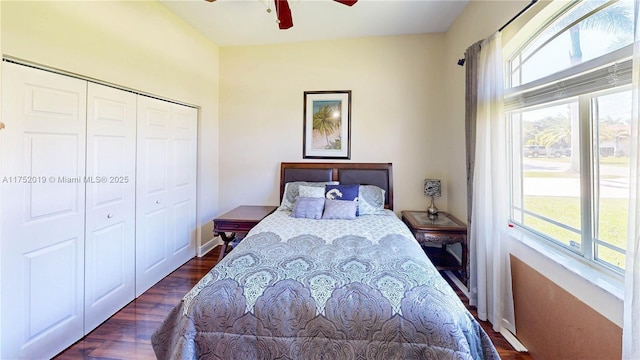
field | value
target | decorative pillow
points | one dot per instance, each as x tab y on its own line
308	208
370	200
343	192
340	209
311	191
291	192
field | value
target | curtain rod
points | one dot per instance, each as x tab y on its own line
461	61
518	14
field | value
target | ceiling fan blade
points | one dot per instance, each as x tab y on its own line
283	11
346	2
210	0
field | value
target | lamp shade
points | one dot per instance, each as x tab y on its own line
432	187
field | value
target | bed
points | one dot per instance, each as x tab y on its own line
342	288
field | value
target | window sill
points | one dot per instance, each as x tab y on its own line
601	278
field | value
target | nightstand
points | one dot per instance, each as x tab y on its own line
441	230
238	222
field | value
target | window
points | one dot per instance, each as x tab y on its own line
568	105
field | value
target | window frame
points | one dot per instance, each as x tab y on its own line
575	83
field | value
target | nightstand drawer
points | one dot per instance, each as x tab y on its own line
438	238
233	226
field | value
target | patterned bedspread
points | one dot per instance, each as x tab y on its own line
323	289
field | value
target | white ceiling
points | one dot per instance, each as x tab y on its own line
246	22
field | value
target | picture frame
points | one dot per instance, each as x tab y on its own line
327	125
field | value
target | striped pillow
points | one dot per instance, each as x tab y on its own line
308	208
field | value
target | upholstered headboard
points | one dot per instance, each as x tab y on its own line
379	174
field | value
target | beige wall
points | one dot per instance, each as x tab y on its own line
135	44
397	98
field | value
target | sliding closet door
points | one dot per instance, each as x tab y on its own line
110	203
42	211
165	191
183	181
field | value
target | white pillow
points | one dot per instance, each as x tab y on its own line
311	191
370	200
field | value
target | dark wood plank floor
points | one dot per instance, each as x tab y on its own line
127	334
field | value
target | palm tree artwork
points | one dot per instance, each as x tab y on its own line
327	122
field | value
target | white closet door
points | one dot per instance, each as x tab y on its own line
183	182
42	211
110	203
165	189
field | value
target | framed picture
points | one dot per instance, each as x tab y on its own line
327	125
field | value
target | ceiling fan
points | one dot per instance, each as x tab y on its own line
283	11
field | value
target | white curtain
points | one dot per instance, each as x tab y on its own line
490	281
631	326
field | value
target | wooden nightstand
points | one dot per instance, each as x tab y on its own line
239	222
442	230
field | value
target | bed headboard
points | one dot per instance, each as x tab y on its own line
379	174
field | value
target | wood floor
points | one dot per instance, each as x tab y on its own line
127	334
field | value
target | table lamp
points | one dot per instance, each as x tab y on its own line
432	188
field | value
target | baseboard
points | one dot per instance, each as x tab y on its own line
513	341
462	287
208	246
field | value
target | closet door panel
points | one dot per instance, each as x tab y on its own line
111	154
42	211
110	203
165	213
155	169
183	182
153	193
155	239
182	236
183	172
60	187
